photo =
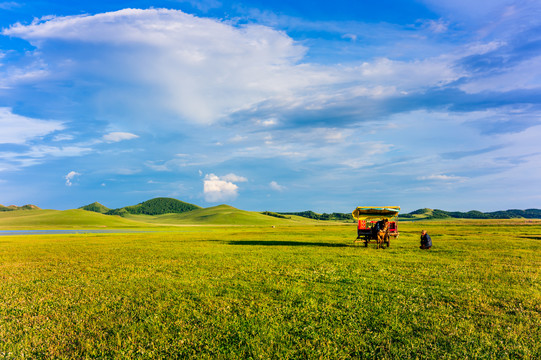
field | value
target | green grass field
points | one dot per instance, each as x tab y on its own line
290	292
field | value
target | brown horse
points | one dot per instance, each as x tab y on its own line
383	235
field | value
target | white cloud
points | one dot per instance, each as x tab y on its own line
70	176
334	136
375	148
203	69
218	189
437	27
481	48
237	138
367	154
234	178
63	137
267	122
126	171
388	77
42	151
17	129
158	167
351	37
525	75
275	186
442	177
179	161
9	5
38	154
119	136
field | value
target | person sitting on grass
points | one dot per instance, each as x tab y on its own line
426	241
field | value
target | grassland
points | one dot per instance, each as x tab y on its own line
274	293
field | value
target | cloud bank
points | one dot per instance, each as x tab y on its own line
207	71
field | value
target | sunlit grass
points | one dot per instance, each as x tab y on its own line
284	292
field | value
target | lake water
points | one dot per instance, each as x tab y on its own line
56	232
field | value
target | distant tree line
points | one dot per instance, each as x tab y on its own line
96	207
280	216
155	206
474	214
506	214
430	214
312	215
13	207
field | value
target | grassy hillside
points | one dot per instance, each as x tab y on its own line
312	215
14	207
157	206
218	215
96	207
430	214
83	219
67	219
422	214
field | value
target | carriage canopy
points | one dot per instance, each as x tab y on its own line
375	212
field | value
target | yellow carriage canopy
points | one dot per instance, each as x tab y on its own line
375	212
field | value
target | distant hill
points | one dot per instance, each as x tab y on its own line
312	215
217	215
424	214
13	207
157	206
65	219
428	214
96	207
85	219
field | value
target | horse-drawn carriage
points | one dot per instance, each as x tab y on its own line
376	223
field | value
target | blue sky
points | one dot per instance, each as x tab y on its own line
272	105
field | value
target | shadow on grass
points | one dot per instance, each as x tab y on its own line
284	243
531	237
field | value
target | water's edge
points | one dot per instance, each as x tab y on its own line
73	231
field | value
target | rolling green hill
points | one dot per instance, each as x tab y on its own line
157	206
429	214
85	219
312	215
67	219
96	207
425	214
14	207
217	215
